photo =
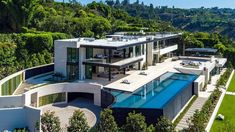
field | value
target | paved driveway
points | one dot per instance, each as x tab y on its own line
65	111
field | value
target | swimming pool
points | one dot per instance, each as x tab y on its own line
155	94
163	96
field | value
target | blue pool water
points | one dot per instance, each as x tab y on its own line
155	94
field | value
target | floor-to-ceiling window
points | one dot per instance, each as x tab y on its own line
138	50
143	49
73	63
130	51
88	69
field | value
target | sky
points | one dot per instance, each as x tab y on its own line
181	3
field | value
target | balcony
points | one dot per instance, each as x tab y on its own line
165	49
120	63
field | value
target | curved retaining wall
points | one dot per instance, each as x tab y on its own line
27	73
26	115
64	87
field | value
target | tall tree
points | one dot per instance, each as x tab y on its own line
110	2
117	3
16	14
135	122
78	122
164	125
107	122
125	2
50	122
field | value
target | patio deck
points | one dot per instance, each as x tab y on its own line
136	80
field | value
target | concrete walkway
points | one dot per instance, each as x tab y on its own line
197	105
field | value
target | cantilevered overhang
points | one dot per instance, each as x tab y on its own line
161	37
119	65
115	46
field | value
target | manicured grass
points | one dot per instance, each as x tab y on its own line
227	109
231	87
177	120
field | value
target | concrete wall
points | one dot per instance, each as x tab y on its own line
65	87
32	116
150	53
60	53
12	118
199	83
11	101
19	118
168	49
174	106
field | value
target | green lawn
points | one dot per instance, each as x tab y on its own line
231	87
227	109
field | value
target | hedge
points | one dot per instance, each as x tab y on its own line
37	42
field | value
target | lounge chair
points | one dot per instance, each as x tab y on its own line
126	82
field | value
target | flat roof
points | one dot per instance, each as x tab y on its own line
208	50
126	41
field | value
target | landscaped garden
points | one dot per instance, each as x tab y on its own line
227	109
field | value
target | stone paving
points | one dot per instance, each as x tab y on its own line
197	105
65	111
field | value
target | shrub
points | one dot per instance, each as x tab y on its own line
135	122
50	122
164	125
107	122
78	122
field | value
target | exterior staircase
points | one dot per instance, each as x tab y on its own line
197	105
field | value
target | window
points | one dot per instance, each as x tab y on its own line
138	50
72	55
143	49
89	53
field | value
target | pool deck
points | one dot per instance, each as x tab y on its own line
136	80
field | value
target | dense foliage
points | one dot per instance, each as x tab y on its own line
213	20
164	125
135	122
23	50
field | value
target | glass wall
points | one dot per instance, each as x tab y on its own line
138	50
143	49
52	98
9	87
72	55
72	63
88	69
73	71
130	51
